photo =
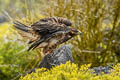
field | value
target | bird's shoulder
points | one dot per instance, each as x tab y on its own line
53	21
50	25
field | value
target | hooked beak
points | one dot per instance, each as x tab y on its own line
80	33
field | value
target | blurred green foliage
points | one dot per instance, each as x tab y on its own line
70	71
21	8
15	60
99	20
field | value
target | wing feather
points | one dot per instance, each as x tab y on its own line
44	30
47	38
50	25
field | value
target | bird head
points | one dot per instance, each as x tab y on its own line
75	32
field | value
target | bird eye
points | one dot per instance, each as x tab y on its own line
76	31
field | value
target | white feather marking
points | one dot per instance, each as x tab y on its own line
43	44
53	41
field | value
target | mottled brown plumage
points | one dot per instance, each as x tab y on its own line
47	33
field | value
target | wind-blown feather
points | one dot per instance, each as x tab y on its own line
21	26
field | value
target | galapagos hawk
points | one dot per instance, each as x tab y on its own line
47	33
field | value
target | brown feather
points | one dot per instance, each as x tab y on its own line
47	33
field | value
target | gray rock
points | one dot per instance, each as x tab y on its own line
100	69
60	56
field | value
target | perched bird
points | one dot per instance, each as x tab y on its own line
47	33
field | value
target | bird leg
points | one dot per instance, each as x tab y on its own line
49	50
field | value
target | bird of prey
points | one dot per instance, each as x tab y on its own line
47	33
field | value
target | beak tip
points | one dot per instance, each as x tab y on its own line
80	33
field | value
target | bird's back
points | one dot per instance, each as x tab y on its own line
48	32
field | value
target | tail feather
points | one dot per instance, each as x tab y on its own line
36	44
21	26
